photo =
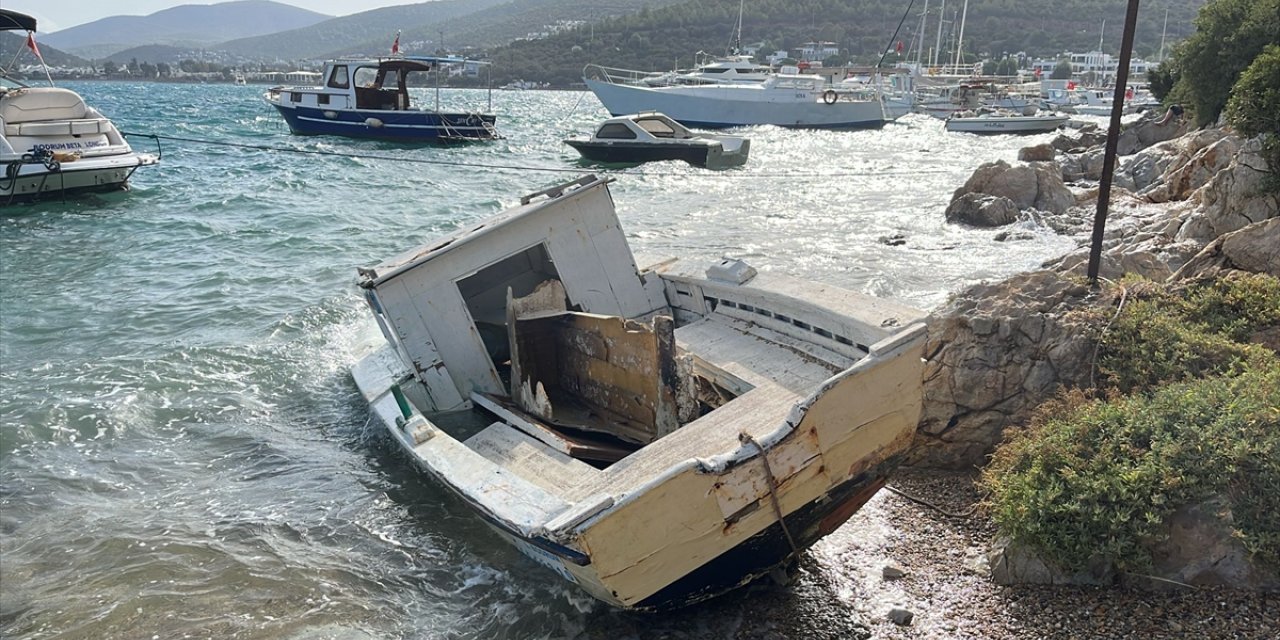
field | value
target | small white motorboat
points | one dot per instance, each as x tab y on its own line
656	436
646	137
52	143
1000	121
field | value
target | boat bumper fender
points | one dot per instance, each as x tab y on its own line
373	122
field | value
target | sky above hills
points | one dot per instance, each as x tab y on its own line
52	15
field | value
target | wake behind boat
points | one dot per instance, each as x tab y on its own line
369	98
51	142
787	100
657	436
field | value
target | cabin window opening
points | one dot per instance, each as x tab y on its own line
729	303
822	332
746	307
658	128
843	340
711	302
338	77
322	98
485	294
779	316
616	131
295	96
801	324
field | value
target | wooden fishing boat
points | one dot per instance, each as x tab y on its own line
656	436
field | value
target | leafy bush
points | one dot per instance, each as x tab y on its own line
1101	477
1164	337
1229	35
1254	107
1091	477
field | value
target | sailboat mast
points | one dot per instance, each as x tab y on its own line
1163	31
920	51
937	45
960	43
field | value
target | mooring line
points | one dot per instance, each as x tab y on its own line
578	170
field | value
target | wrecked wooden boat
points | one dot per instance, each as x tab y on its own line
657	436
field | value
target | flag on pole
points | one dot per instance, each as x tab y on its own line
31	44
899	48
395	46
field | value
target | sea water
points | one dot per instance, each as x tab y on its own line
182	450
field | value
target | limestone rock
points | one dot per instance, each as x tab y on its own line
1014	563
1038	153
1255	248
1146	132
982	210
1201	550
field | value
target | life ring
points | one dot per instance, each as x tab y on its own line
830	96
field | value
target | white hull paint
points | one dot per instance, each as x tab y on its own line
734	105
1006	124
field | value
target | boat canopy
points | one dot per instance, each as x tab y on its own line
13	21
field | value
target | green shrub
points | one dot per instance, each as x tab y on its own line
1254	106
1164	337
1101	477
1091	477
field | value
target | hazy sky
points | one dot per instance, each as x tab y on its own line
52	15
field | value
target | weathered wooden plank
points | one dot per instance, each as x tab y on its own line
576	446
529	458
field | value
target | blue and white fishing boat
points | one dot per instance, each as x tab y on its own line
369	98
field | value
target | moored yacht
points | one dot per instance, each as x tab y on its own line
52	143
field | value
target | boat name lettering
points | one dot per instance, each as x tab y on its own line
54	146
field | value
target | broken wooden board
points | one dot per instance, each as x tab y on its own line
582	447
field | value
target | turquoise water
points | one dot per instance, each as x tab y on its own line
182	452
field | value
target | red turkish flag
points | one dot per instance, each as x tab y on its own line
31	44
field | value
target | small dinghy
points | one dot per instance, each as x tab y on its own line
656	436
645	137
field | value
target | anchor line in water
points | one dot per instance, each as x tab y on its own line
471	165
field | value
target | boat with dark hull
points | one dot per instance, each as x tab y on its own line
657	436
369	98
648	137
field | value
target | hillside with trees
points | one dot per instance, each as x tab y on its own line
655	39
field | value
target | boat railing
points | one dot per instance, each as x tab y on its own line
619	76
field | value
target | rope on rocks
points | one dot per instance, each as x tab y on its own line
922	501
1093	362
745	438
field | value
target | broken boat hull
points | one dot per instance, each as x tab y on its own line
809	394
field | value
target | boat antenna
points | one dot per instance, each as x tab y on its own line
735	43
894	37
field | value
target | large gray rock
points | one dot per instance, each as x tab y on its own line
996	352
1146	132
1200	550
1037	185
981	210
1038	153
1255	248
1014	563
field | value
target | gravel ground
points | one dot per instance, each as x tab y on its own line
944	581
840	591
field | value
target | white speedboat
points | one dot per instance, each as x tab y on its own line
1001	121
52	143
647	137
656	436
787	100
369	98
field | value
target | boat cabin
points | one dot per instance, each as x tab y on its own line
376	84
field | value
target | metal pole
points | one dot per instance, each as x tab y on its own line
1113	140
